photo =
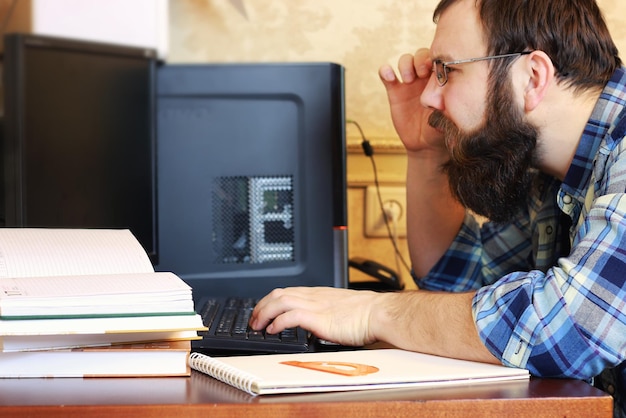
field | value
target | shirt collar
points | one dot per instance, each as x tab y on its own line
610	105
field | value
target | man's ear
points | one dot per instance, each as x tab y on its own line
540	74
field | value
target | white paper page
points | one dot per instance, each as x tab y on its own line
36	252
122	294
151	286
118	325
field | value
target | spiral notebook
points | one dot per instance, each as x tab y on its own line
347	371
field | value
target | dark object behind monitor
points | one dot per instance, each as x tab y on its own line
386	279
79	138
251	176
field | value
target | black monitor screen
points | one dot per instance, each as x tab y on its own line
79	143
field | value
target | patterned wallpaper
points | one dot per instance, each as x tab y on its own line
361	35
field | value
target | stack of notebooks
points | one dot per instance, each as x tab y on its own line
80	303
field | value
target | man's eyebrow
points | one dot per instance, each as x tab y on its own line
441	57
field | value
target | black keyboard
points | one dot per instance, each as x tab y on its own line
228	330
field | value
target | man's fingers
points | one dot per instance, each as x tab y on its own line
315	309
406	68
277	303
387	75
423	63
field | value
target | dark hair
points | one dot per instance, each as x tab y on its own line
572	32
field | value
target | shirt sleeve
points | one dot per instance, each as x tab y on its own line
479	255
571	320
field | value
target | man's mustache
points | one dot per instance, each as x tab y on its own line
450	131
438	121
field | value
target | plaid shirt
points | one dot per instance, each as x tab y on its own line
556	316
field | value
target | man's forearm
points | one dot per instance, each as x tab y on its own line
434	217
429	322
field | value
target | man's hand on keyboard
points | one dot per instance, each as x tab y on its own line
429	322
338	315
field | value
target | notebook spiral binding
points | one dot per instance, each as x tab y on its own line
221	371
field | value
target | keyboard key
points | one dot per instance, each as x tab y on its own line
256	335
272	337
290	335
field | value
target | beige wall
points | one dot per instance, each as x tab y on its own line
360	35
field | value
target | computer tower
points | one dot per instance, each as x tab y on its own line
251	176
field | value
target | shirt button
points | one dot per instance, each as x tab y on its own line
549	230
610	389
567	199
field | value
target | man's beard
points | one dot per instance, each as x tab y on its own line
488	170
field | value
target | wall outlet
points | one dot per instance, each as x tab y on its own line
394	202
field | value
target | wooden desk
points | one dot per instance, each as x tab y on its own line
202	396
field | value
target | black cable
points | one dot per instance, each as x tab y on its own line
365	144
369	152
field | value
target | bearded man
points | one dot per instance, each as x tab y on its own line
517	113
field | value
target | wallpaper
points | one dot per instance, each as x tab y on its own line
360	35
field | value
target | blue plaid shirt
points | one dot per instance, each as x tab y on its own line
558	315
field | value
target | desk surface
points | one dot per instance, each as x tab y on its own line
199	395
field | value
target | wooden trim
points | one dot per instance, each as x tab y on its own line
381	145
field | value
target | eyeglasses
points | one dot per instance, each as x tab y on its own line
441	68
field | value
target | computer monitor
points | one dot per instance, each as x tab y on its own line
79	137
251	176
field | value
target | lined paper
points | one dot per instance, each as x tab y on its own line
37	252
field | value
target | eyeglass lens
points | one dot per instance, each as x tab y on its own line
440	72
